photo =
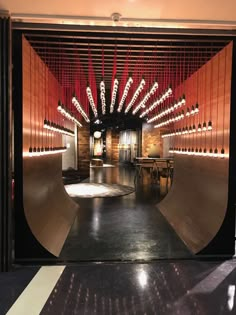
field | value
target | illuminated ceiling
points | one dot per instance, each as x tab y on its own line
82	44
87	56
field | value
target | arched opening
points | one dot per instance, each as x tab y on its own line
155	109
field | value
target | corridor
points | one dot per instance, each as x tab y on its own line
122	228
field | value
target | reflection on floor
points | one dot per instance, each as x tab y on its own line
122	228
104	165
179	287
97	190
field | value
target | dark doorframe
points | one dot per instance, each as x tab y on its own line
232	144
229	224
6	236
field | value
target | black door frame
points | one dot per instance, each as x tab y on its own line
6	226
5	217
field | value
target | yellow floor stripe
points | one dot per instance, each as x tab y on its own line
35	295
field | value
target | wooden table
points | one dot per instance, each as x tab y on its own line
156	167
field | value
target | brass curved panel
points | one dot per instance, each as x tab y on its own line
197	201
49	210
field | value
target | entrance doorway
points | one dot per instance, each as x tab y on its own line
146	84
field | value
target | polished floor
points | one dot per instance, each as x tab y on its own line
178	287
12	284
126	228
115	246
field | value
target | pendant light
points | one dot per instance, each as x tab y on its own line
114	93
125	92
146	98
67	113
78	106
136	94
209	127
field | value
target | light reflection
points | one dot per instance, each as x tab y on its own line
142	278
85	189
231	294
96	219
100	178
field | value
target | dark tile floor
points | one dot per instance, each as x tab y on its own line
122	228
128	228
12	285
183	287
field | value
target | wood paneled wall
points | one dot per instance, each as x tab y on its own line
112	145
115	145
210	88
109	145
83	150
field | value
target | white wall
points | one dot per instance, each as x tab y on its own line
69	158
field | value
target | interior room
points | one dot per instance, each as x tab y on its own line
117	164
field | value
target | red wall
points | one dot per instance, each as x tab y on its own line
41	93
210	88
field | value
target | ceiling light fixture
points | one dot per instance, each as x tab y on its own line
188	112
146	98
136	94
163	113
67	113
161	98
91	100
76	103
209	125
186	130
215	154
196	108
125	93
102	96
204	126
113	96
50	125
192	110
97	122
172	118
199	152
222	153
97	134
